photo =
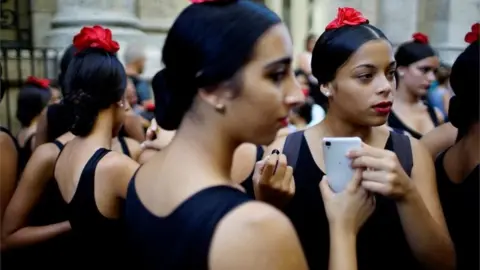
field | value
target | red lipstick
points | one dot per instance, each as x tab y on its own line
384	107
284	121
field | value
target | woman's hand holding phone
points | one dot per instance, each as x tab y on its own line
348	210
384	174
273	180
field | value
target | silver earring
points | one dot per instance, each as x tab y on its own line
220	108
327	93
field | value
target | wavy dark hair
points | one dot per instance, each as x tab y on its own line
207	44
95	79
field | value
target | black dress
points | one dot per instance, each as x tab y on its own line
460	204
182	239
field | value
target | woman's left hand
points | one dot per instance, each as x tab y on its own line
383	172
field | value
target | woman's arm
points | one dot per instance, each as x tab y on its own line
422	217
265	239
439	139
8	171
37	173
343	250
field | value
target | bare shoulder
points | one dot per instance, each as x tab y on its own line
6	140
46	151
117	165
264	238
439	139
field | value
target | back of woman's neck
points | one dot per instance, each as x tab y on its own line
101	132
203	149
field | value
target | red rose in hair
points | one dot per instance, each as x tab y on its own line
43	83
420	38
95	37
203	1
346	16
473	35
150	107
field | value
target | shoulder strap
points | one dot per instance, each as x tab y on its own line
433	114
124	145
291	148
58	144
403	149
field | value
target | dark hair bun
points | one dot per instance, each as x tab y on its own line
169	106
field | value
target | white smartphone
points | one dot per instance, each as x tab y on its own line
337	164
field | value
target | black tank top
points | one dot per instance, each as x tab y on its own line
461	210
182	239
25	153
124	145
395	122
54	253
381	243
15	142
100	241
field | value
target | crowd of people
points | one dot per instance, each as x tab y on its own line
223	168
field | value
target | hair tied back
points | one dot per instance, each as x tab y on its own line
474	34
43	83
347	16
95	37
420	38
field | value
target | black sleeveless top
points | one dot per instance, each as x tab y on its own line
124	145
381	243
54	253
461	210
395	122
99	241
15	142
25	153
182	239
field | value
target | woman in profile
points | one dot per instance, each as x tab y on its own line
355	67
227	80
417	63
92	179
458	167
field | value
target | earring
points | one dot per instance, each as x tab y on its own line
327	93
220	108
400	74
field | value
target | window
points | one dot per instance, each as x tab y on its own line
15	24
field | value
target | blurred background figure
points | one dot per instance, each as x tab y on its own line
440	93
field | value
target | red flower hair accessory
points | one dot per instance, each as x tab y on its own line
43	83
420	38
203	1
95	37
150	107
346	16
473	35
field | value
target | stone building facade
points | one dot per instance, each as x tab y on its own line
51	24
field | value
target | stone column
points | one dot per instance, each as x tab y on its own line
299	24
156	17
276	6
71	15
462	14
398	19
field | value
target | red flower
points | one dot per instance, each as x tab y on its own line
346	16
473	35
202	1
420	38
150	107
95	37
43	83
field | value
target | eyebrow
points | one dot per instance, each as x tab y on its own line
282	61
393	63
